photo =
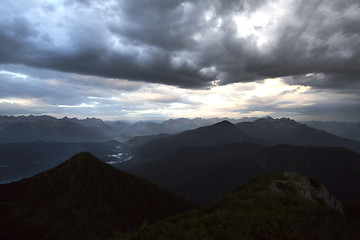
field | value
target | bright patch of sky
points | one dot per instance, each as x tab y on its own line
158	101
262	24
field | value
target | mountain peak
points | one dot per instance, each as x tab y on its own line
83	159
83	198
224	123
270	119
265	119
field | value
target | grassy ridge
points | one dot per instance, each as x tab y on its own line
257	211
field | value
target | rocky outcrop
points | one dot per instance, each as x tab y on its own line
308	188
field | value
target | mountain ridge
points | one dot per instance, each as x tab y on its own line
280	205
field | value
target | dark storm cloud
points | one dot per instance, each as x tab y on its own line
15	36
187	44
335	81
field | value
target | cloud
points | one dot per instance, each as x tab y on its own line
184	43
159	59
59	94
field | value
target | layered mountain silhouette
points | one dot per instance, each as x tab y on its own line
266	131
82	198
85	198
47	128
206	173
282	205
171	126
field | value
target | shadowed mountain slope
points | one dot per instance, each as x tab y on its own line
82	198
187	170
350	130
207	173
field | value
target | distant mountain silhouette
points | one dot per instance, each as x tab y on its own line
29	132
217	134
119	127
46	128
173	126
287	131
266	131
281	205
82	198
206	173
184	124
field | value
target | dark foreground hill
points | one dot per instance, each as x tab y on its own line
204	174
281	205
82	198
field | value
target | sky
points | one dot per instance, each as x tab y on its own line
161	59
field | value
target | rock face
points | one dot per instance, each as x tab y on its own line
309	188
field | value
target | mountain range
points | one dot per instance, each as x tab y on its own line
22	158
266	131
47	128
173	165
